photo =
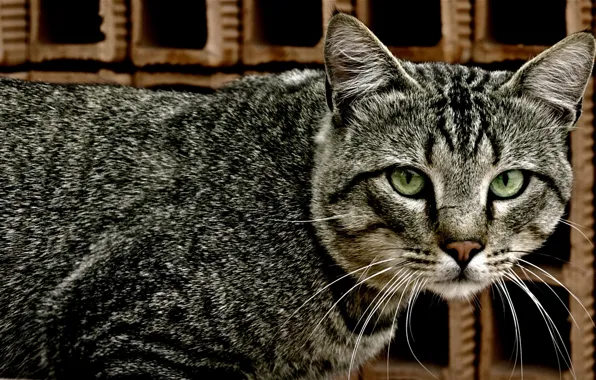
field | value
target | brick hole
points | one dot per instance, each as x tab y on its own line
528	22
537	346
70	22
288	22
428	333
406	23
178	24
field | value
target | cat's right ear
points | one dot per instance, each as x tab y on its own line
558	76
357	63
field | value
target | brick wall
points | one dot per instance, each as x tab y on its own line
200	45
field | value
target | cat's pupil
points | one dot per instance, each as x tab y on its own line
505	178
409	176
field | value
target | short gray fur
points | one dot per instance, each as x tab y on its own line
165	235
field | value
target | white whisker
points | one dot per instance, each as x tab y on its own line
518	342
370	315
415	292
525	272
393	328
318	220
332	283
552	328
552	278
578	230
344	295
388	284
575	224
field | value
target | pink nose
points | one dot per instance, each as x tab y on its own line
463	251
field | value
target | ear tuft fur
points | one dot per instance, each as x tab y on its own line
559	75
358	63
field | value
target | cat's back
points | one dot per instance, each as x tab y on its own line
80	161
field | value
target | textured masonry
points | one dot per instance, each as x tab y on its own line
421	30
270	35
23	75
201	32
512	29
579	273
74	29
161	79
14	32
102	76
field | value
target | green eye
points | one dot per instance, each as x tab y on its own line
407	182
507	184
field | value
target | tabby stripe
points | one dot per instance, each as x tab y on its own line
477	141
471	76
342	193
485	127
460	103
496	146
482	82
441	122
428	152
551	185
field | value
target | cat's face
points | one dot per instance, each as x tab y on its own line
442	173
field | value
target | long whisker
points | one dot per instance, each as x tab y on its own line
393	326
320	219
344	295
415	292
574	223
566	262
365	273
518	341
379	294
518	348
370	315
526	271
552	328
578	230
394	290
334	282
552	278
542	312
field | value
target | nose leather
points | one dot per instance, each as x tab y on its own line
463	251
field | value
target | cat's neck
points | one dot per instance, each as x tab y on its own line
363	307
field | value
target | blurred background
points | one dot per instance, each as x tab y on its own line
200	45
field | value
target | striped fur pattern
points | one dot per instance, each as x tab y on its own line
461	127
254	233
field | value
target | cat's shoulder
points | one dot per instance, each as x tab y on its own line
287	82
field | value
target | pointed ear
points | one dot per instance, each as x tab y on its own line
558	76
358	63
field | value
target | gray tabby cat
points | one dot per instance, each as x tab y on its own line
263	231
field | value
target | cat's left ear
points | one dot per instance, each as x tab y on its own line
558	76
358	64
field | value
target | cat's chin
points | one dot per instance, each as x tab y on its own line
461	290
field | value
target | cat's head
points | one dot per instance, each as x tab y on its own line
443	173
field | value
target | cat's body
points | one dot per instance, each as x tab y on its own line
146	222
163	235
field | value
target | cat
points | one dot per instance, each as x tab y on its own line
275	228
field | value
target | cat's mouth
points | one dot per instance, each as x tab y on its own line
459	287
460	279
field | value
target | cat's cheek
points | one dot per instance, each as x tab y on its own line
477	269
447	268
